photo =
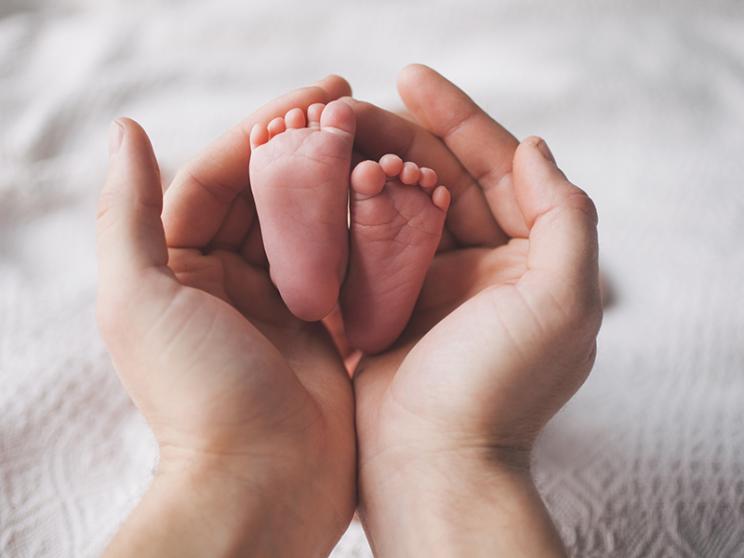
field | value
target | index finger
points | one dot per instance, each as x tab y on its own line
484	147
202	193
380	131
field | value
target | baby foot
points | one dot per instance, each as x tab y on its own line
299	173
397	216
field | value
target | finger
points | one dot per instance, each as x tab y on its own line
129	231
193	268
237	223
380	131
203	192
130	242
480	143
563	230
245	284
252	250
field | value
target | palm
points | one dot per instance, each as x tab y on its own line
496	305
459	275
425	380
266	385
262	370
250	364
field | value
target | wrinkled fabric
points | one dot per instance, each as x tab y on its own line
642	104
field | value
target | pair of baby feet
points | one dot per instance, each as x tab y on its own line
364	237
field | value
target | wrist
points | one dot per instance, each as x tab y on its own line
464	504
210	506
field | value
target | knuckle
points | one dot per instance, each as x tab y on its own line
222	192
580	201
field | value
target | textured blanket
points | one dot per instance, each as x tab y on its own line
643	105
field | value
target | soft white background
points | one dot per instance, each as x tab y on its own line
643	105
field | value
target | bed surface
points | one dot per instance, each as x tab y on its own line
643	106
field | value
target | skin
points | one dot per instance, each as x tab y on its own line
397	214
300	181
252	408
503	334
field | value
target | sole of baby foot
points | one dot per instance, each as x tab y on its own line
397	217
299	173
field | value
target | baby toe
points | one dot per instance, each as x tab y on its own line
276	126
441	197
337	116
410	174
313	114
428	178
295	118
259	135
368	178
391	164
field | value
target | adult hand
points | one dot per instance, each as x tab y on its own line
502	336
252	409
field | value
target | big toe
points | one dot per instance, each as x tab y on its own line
368	178
338	117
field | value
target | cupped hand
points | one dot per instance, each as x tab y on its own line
504	331
232	385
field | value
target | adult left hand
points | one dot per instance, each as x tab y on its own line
252	408
503	334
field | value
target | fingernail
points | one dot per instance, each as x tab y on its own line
116	134
545	150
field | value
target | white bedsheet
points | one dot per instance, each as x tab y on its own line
643	105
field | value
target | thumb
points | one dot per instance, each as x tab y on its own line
563	231
130	242
128	228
